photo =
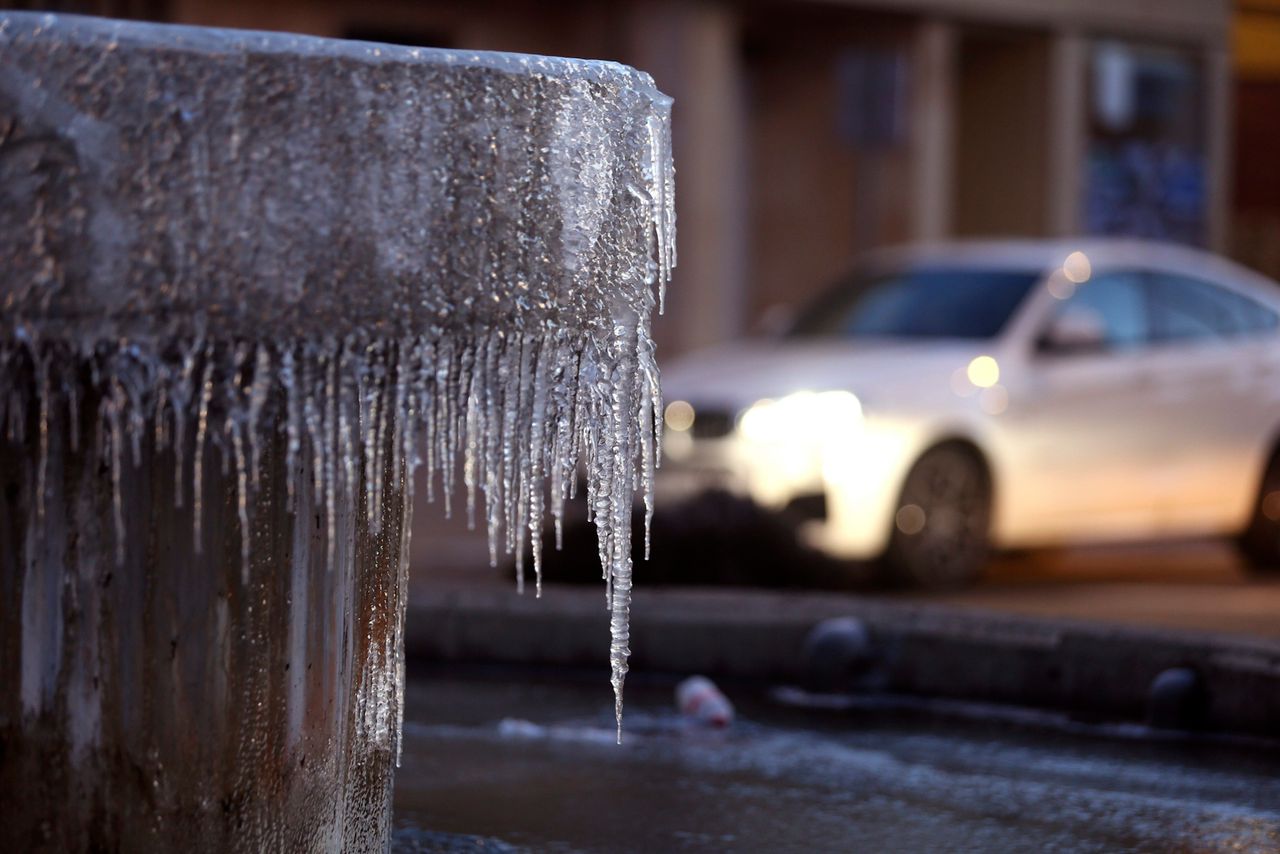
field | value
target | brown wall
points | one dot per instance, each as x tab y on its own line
773	198
1256	198
1001	135
818	195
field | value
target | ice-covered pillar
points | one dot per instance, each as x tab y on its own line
247	282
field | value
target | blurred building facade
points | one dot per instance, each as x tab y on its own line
1255	226
807	132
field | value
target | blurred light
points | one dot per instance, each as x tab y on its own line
679	415
761	423
983	372
994	400
677	446
1077	268
800	417
910	519
960	384
1060	286
1271	506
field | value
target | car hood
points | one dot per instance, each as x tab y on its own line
737	375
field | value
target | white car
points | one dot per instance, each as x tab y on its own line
948	399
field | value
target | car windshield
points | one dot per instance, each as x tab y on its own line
919	303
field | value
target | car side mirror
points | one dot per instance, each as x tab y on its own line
1075	330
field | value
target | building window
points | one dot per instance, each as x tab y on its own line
1146	147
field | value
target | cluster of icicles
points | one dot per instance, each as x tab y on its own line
518	415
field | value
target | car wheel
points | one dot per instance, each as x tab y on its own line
1259	545
941	525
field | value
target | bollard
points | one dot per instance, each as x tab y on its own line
838	654
248	281
1178	699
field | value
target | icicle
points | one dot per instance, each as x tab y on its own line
472	453
647	461
202	431
161	428
179	417
402	599
348	390
42	465
450	384
489	440
72	390
329	457
367	401
136	427
511	379
404	413
535	455
510	366
618	534
293	426
650	419
242	495
427	407
257	400
114	405
661	178
311	414
379	444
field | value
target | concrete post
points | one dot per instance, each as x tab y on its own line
933	129
693	52
1218	146
1068	130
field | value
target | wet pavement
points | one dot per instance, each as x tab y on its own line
525	760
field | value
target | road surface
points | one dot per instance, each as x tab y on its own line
527	759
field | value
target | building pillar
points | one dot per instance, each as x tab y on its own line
1068	130
932	131
693	52
1217	154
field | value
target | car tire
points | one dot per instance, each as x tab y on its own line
1259	544
941	527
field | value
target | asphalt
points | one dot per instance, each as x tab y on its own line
528	761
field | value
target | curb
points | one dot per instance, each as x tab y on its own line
1091	670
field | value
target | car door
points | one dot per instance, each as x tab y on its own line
1216	401
1079	421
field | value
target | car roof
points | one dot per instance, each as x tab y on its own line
1045	254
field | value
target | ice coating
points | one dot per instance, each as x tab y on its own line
230	251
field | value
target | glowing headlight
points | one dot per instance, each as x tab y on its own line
803	416
984	372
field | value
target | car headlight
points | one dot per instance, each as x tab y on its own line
805	416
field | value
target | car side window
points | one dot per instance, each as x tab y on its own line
1184	308
1109	312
